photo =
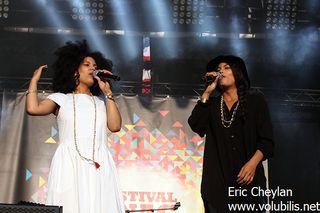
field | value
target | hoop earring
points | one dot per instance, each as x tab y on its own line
76	78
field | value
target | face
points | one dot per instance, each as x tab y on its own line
227	79
86	68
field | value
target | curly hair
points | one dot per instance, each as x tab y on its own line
241	77
69	58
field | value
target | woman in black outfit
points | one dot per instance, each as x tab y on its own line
238	133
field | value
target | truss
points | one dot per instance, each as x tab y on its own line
293	97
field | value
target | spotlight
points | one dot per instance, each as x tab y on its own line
88	10
187	12
283	13
4	9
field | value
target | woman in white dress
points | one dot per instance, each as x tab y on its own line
83	176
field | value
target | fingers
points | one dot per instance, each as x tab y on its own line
98	72
246	180
98	79
250	181
101	82
43	67
245	177
38	71
213	73
211	84
105	71
212	77
216	79
103	85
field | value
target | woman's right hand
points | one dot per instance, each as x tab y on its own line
211	86
37	73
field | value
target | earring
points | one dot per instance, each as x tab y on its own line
76	78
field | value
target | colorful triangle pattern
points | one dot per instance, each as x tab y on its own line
172	151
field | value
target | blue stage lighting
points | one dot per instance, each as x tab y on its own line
186	12
92	10
281	14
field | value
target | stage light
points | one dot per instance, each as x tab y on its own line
281	14
4	9
88	10
187	12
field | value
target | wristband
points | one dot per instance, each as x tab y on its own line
109	96
203	100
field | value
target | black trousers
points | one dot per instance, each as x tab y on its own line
208	207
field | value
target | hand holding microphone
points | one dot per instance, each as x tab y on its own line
105	75
211	77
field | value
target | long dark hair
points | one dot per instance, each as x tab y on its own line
69	58
241	77
242	88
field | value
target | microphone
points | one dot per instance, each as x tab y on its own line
210	78
176	205
106	76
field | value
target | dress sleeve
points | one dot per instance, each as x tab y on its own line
199	118
58	98
265	141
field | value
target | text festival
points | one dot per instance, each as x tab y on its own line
136	200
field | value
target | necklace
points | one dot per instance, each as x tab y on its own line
96	164
227	123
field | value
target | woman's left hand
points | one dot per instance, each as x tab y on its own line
246	174
104	84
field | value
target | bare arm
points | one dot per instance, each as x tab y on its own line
33	106
114	118
113	115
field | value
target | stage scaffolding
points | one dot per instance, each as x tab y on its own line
280	96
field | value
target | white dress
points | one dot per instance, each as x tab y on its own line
75	183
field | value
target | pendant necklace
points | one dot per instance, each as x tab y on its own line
92	161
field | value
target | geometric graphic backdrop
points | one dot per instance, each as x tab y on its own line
159	158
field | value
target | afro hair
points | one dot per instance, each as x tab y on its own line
68	60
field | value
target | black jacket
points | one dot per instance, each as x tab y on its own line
257	133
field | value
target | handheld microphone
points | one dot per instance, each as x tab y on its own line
210	78
176	205
105	76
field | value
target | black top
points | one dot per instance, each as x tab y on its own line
233	143
228	149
